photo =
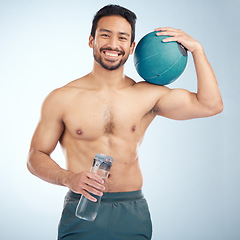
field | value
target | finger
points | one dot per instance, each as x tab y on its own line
95	185
93	190
170	39
89	196
164	29
167	33
173	36
95	177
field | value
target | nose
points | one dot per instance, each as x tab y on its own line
113	42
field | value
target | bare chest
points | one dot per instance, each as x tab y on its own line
94	116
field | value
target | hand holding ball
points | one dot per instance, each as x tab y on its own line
158	62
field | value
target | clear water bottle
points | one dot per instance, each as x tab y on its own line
87	209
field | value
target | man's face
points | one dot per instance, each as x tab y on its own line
112	42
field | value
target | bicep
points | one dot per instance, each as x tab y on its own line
180	104
46	136
50	127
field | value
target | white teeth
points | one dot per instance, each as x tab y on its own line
111	54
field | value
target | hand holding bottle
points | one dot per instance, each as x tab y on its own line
85	183
87	210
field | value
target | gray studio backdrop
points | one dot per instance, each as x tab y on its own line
191	168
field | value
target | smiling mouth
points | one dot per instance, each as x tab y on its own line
112	53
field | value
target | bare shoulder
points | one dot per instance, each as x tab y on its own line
143	85
63	94
83	83
52	107
58	100
58	96
151	89
148	95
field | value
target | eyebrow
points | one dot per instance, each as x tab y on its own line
121	33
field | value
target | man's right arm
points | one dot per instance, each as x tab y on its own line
44	141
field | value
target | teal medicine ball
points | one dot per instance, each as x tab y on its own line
159	62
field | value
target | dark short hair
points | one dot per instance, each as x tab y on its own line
115	10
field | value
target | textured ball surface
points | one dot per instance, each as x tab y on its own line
158	62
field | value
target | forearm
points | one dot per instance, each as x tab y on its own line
208	93
41	165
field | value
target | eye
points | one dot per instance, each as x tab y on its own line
105	35
123	38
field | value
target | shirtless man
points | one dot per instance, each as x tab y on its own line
108	112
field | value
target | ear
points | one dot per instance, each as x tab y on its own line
132	48
91	40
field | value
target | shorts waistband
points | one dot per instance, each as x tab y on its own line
113	196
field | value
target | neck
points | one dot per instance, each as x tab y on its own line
108	78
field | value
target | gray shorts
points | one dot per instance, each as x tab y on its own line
121	216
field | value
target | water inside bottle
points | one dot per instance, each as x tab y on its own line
100	172
87	209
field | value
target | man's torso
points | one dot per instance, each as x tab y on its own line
110	122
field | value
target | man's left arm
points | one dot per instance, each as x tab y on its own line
182	104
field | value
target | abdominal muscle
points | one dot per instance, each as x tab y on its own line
125	174
124	179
